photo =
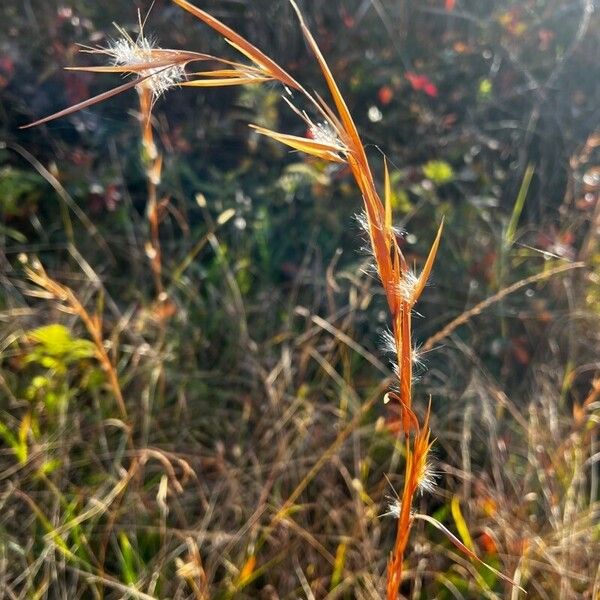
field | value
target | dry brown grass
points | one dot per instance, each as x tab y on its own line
556	458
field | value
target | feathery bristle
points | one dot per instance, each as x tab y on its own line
394	508
408	285
324	133
388	342
142	51
428	478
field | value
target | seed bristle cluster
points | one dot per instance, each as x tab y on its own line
394	507
325	134
408	285
140	54
428	477
388	342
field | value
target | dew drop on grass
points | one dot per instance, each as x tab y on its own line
374	114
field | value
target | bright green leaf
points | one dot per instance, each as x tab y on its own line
438	171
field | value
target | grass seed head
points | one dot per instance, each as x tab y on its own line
324	133
408	285
394	508
141	52
428	477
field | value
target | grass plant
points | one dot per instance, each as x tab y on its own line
552	463
335	138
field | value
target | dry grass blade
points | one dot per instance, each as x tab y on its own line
468	552
426	272
484	304
98	506
89	102
242	70
348	341
344	112
387	202
326	457
62	194
244	45
319	149
238	75
93	323
227	81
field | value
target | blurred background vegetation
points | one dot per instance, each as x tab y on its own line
244	381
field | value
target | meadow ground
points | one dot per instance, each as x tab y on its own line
195	365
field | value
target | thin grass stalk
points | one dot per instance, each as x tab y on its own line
93	323
152	160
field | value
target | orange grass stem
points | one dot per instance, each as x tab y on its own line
153	167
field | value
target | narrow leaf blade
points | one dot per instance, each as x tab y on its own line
318	149
249	49
86	103
464	548
426	272
342	107
223	82
461	524
388	199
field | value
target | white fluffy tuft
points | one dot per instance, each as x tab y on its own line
324	133
128	52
